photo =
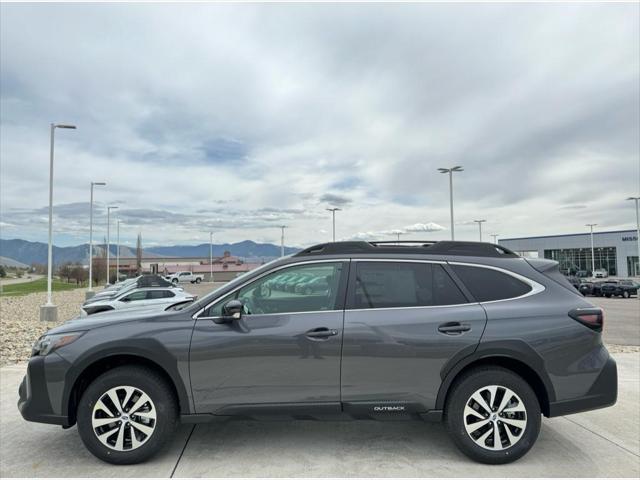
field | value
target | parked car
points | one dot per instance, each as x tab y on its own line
127	285
461	332
314	285
184	277
586	288
575	282
619	288
138	297
600	273
583	274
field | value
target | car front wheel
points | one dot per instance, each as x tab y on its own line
492	415
625	294
127	415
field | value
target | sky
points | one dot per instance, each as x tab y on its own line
236	119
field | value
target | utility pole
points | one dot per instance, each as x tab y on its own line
282	227
211	256
118	251
495	237
48	311
593	257
333	212
108	240
90	293
637	199
450	172
480	222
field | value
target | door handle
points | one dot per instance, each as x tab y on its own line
454	328
321	333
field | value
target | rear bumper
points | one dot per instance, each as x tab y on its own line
34	399
603	393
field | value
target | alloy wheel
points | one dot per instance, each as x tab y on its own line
495	417
124	418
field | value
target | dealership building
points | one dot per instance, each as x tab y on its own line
616	252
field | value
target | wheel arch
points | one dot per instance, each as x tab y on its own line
97	366
515	356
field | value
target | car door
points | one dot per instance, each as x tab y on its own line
284	352
133	299
403	322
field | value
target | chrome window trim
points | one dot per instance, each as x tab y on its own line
536	287
196	316
412	308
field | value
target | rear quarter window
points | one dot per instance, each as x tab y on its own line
486	284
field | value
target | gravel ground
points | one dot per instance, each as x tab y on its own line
20	324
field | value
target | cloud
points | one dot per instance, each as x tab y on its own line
424	227
334	199
319	105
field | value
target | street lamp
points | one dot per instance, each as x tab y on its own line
48	311
282	227
450	172
108	239
480	222
89	293
333	213
593	258
637	199
118	250
211	256
495	237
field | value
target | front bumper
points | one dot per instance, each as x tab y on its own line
603	393
35	393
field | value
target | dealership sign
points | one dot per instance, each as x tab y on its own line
630	238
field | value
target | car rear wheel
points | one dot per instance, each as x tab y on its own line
126	415
198	280
625	294
492	415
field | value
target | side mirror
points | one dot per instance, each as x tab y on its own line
232	310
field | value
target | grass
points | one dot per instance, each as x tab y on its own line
39	285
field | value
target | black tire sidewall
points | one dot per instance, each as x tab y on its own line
460	393
159	392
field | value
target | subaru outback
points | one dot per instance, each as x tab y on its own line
465	333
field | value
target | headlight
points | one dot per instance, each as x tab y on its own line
48	343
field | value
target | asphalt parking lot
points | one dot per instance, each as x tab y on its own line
602	443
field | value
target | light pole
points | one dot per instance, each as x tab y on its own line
89	293
211	256
108	239
480	222
450	172
48	311
495	237
637	199
593	257
333	213
282	227
117	250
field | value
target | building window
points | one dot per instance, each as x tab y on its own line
572	260
633	266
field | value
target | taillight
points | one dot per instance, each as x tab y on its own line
589	317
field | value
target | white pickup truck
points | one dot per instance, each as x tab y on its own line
184	277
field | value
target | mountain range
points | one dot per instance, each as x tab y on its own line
27	252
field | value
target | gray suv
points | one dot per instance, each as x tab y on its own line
461	332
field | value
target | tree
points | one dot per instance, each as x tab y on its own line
3	272
99	269
79	273
139	255
64	270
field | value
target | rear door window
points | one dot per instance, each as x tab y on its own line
403	284
486	284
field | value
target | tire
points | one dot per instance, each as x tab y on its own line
608	295
625	294
152	435
174	281
198	280
523	406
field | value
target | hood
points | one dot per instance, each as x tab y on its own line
102	319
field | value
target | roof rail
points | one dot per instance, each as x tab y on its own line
426	247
